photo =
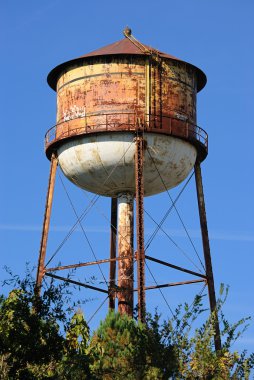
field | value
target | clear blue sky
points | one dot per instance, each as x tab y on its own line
216	36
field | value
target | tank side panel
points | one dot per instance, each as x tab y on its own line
111	94
179	91
100	94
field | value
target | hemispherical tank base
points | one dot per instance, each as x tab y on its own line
104	163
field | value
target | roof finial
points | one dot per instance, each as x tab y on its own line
127	31
128	34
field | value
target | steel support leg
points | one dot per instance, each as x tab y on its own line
46	222
125	251
112	265
207	253
140	226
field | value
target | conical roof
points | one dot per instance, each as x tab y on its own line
126	46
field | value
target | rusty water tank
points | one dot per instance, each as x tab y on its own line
105	97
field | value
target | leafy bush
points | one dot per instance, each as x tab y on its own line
45	338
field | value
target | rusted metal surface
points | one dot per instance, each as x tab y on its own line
139	179
46	222
207	253
120	87
185	130
148	94
88	263
174	266
125	248
112	267
126	46
70	281
108	99
115	90
122	47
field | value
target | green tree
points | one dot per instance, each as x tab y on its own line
75	363
37	339
26	337
123	348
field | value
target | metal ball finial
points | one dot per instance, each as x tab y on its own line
127	31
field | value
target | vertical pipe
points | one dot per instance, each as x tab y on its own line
148	91
207	253
46	222
140	226
125	248
112	268
160	96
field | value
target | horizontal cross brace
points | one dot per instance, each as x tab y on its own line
85	264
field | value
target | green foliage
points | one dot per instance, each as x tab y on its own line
39	340
25	336
32	345
195	352
123	348
75	361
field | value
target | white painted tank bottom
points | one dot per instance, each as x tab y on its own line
104	163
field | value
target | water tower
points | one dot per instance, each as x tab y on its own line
126	128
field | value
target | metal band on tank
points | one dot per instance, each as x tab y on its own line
123	73
97	75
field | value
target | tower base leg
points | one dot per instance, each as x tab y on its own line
207	253
46	222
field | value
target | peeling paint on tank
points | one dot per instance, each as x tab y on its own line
121	81
109	94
